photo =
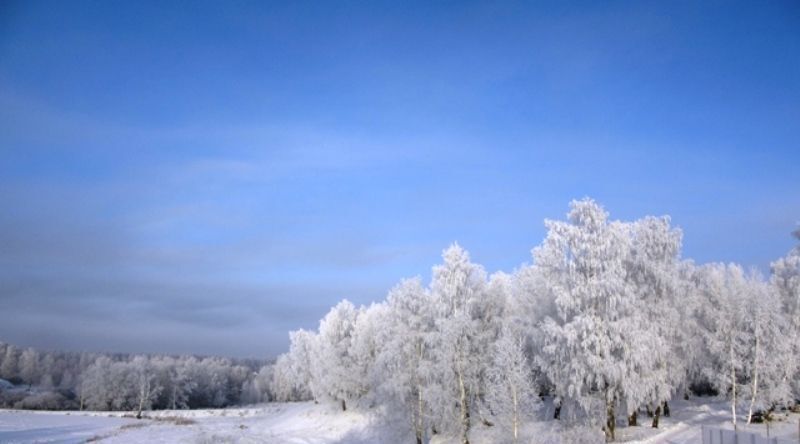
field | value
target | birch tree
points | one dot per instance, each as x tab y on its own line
652	271
405	359
333	358
587	344
9	367
143	378
511	393
785	279
367	342
457	286
724	292
768	364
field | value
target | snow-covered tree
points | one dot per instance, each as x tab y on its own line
143	378
405	358
293	373
653	273
10	367
258	388
181	386
281	384
768	364
786	281
593	340
368	339
458	288
334	363
96	385
29	366
511	393
490	314
724	292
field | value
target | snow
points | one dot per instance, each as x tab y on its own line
309	423
278	422
18	426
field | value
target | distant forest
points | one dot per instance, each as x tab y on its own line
57	380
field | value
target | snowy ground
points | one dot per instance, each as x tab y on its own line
298	423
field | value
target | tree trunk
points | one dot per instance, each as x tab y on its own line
649	411
666	409
611	421
144	393
464	409
418	422
656	416
516	413
733	386
557	413
344	406
632	419
755	384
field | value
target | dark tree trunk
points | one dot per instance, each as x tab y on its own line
611	423
649	411
344	406
557	414
666	409
655	417
632	419
419	439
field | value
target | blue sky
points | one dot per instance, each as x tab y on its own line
202	177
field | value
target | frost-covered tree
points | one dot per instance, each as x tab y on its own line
143	377
724	292
258	388
405	358
768	363
367	342
333	361
529	305
785	280
181	386
9	367
293	373
591	342
96	385
511	393
653	273
490	313
29	366
458	288
282	385
689	349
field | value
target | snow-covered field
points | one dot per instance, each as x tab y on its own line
318	424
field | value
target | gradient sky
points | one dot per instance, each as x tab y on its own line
202	177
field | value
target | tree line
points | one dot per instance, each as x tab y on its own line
609	320
57	380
